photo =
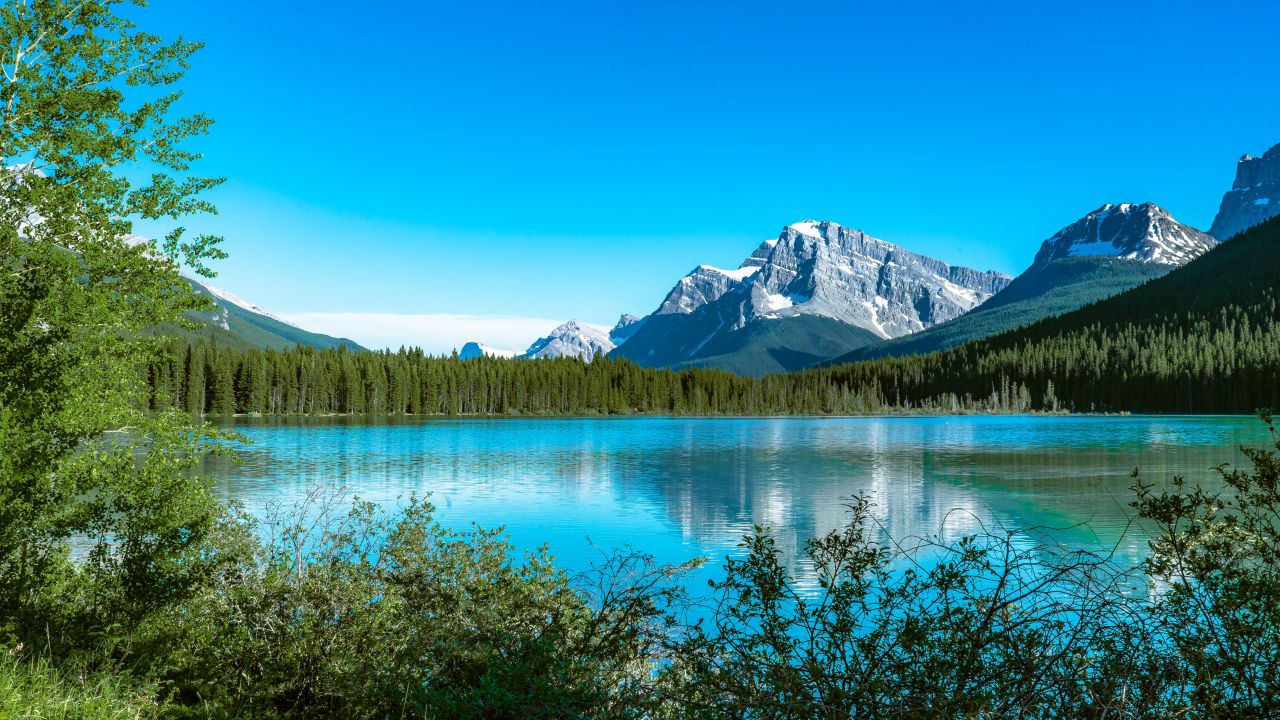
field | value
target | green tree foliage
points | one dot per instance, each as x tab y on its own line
307	381
1216	563
85	97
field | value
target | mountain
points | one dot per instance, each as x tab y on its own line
627	326
1146	233
473	350
572	339
817	289
1201	339
238	322
1108	251
1253	197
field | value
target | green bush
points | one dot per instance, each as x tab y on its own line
364	614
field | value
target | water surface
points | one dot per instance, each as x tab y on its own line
686	487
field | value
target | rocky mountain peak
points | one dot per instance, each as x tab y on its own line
1144	232
812	270
572	339
627	326
824	268
1253	197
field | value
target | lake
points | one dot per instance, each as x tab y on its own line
685	487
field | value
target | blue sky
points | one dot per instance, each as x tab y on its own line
437	172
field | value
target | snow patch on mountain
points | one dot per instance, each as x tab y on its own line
810	228
741	273
773	303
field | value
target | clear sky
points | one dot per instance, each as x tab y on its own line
428	172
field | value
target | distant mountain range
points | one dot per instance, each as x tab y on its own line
822	294
714	318
1200	339
473	350
570	339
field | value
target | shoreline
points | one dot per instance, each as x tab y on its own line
600	416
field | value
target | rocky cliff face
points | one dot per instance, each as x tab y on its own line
1146	233
1254	197
822	268
812	270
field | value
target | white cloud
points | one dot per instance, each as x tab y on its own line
434	333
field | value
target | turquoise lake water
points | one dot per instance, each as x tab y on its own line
686	487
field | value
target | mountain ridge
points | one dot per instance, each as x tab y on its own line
238	321
873	288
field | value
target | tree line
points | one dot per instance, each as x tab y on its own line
204	377
1230	364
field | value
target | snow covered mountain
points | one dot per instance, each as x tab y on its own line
1254	197
832	287
572	339
1145	232
1104	253
474	350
